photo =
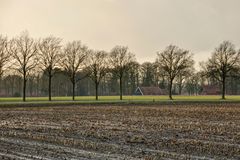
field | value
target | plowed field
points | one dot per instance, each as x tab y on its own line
121	132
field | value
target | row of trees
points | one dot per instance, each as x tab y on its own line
28	56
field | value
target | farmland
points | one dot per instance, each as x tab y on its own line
121	132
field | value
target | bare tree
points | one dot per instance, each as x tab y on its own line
193	83
182	77
133	72
224	60
173	61
24	52
147	73
73	61
4	54
120	58
49	53
97	67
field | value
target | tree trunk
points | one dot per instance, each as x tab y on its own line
73	89
120	87
223	87
50	87
180	85
38	82
12	87
170	90
96	90
180	89
24	86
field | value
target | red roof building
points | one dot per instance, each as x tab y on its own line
150	91
211	90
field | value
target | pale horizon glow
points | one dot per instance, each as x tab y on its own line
145	26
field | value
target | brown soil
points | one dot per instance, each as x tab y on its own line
121	132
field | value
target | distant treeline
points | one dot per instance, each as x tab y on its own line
47	67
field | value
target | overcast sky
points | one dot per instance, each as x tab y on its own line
145	26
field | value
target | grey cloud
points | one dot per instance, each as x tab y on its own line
146	26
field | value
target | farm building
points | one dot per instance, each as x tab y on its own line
150	91
211	90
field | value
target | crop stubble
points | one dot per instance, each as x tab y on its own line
121	132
